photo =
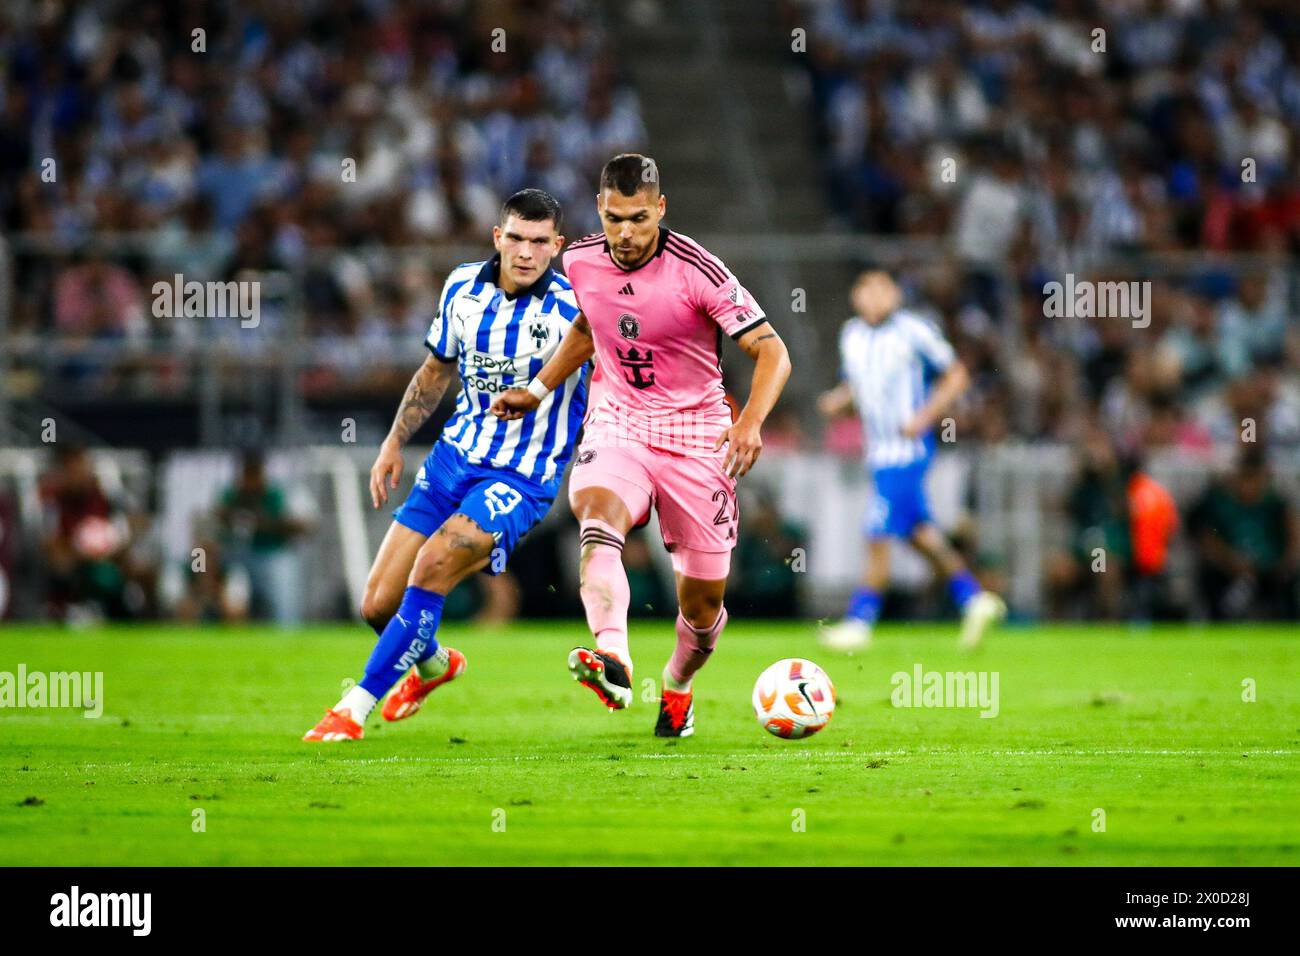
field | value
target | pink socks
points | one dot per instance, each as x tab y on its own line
604	590
694	645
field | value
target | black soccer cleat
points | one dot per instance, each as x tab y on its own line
604	674
676	714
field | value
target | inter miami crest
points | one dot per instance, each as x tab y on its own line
586	456
540	331
628	326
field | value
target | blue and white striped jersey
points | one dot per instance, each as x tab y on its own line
502	342
888	367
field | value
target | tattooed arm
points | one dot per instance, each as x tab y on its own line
575	348
421	399
771	369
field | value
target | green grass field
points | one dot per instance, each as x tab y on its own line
516	764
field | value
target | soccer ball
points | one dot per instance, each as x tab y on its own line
794	698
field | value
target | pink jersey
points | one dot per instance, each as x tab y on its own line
658	330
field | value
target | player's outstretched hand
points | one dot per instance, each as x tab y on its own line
385	473
835	402
744	445
828	404
514	403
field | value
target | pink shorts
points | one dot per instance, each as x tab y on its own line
695	499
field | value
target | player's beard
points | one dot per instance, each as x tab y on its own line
633	257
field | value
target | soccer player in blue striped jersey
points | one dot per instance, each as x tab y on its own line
487	481
903	376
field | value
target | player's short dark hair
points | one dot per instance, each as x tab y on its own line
629	173
533	205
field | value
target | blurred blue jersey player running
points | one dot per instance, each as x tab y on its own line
902	376
487	481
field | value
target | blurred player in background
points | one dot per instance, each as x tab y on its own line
888	357
660	431
487	482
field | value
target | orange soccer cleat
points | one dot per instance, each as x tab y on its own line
409	696
676	714
335	725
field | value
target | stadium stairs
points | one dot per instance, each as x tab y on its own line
729	124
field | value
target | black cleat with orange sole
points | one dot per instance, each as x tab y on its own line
676	714
604	674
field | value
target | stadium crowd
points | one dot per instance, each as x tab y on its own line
1077	126
236	139
1168	152
1069	157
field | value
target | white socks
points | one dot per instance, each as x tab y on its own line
679	686
435	665
359	701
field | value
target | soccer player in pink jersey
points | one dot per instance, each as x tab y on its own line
659	429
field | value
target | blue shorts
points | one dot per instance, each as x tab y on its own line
899	504
502	502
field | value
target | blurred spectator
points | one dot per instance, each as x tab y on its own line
1247	540
97	299
1253	324
99	311
10	538
209	596
1122	522
1088	579
1152	521
257	532
649	597
489	600
1191	346
767	584
91	568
